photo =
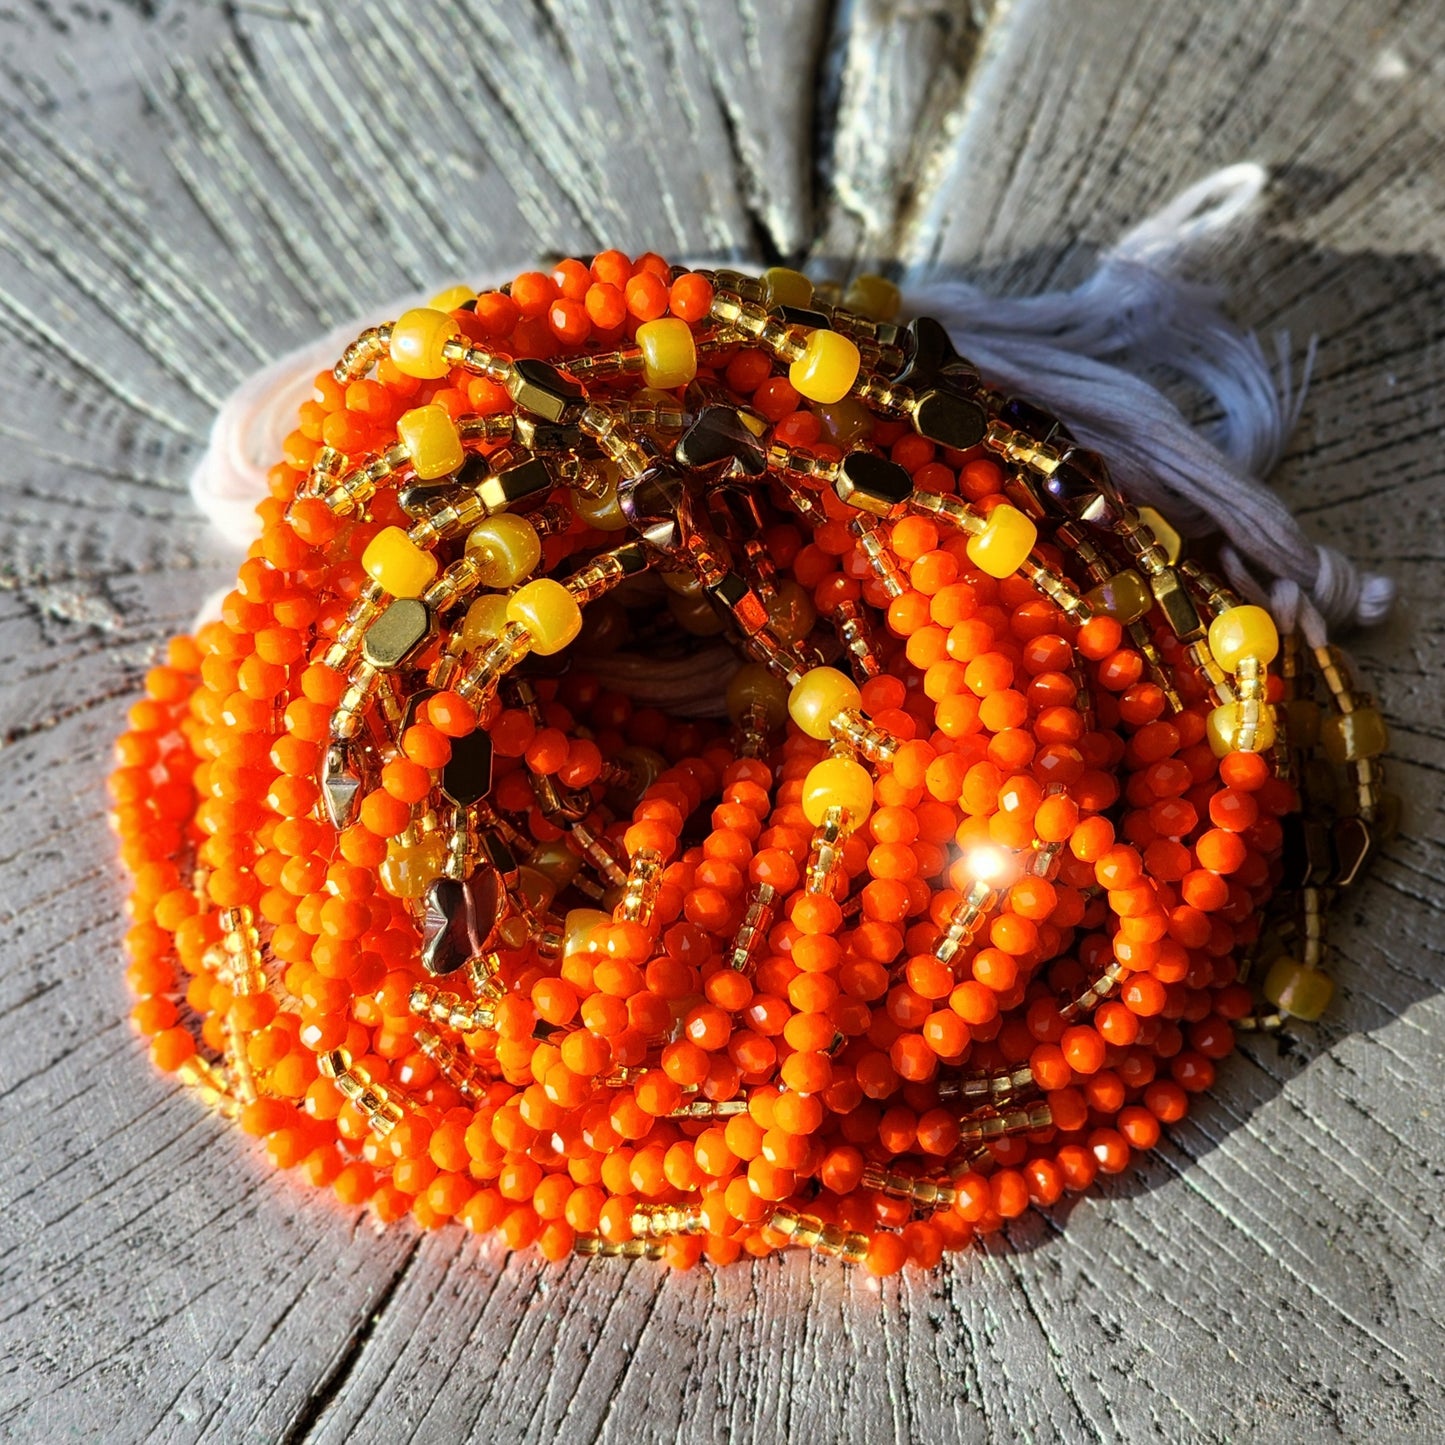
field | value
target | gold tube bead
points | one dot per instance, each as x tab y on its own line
359	485
1059	590
825	855
639	892
479	677
987	1087
709	1109
855	732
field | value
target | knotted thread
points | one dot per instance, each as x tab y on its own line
1083	353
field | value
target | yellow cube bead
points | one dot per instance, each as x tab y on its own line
548	611
452	299
1006	540
409	869
669	354
1304	993
827	368
754	686
485	618
819	696
783	286
1240	632
875	297
1224	728
398	564
838	783
508	548
1351	736
417	341
431	438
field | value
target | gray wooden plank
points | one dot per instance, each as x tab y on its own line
178	201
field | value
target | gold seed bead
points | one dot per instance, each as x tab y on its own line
751	939
593	1246
930	1194
463	1015
968	917
808	1231
382	1107
994	1088
460	1072
658	1221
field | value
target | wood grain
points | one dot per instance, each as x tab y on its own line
186	189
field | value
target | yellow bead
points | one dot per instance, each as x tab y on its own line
417	340
827	368
398	564
1225	726
409	869
535	889
452	299
1006	540
845	422
548	611
430	437
1124	597
1166	534
819	696
669	354
1240	632
791	613
875	297
485	618
1293	989
604	512
579	930
753	685
838	783
1350	736
785	287
508	547
694	613
555	860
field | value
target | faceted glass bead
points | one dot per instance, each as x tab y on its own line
875	297
507	546
1347	737
409	869
753	684
460	921
485	618
1032	420
417	341
1224	728
430	437
1006	540
1080	485
819	696
838	783
669	354
1304	993
827	368
398	564
1124	597
548	611
785	287
1240	632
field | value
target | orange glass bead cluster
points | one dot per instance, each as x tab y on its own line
940	911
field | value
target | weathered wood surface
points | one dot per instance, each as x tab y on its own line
185	188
